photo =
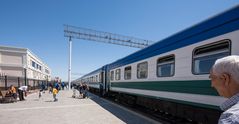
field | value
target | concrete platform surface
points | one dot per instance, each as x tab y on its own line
67	110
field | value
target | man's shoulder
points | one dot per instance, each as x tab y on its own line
229	118
234	108
231	115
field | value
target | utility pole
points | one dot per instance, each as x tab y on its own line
69	71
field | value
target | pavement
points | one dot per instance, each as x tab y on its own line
68	110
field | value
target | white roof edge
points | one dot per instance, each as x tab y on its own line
26	50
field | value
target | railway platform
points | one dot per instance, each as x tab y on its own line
68	110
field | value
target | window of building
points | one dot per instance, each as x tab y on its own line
117	74
205	56
33	64
165	66
142	70
112	75
127	73
47	71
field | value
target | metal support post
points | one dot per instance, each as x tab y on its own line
25	76
34	85
18	81
5	82
69	71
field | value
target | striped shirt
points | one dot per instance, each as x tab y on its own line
231	111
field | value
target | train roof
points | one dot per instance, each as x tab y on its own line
222	23
94	72
225	22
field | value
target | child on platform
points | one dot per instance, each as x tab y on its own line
54	92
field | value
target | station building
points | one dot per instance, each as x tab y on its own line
21	67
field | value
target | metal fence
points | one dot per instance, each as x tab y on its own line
7	81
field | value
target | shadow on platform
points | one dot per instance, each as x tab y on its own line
122	114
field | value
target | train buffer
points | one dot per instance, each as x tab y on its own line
68	110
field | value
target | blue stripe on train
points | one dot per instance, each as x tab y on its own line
221	24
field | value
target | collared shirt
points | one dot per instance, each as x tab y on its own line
23	88
231	111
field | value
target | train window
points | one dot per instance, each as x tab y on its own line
100	78
96	78
127	73
142	70
205	56
117	74
91	79
112	75
165	66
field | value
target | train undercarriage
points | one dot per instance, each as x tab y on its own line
169	111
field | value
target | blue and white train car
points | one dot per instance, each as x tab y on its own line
92	79
96	80
172	75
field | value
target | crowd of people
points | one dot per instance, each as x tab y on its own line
82	89
12	93
53	88
56	86
22	91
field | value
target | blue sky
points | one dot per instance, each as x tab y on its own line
38	25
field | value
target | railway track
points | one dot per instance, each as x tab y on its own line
159	116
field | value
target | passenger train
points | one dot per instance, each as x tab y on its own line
172	75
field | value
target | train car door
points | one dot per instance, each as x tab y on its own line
102	83
107	80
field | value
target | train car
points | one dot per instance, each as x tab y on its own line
92	79
96	80
172	75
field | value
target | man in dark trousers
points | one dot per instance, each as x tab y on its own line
21	90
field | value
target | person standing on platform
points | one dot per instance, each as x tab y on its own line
62	85
42	88
50	87
85	90
224	77
54	92
56	85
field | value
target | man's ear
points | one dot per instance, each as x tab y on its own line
226	79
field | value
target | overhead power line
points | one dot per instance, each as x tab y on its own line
105	37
